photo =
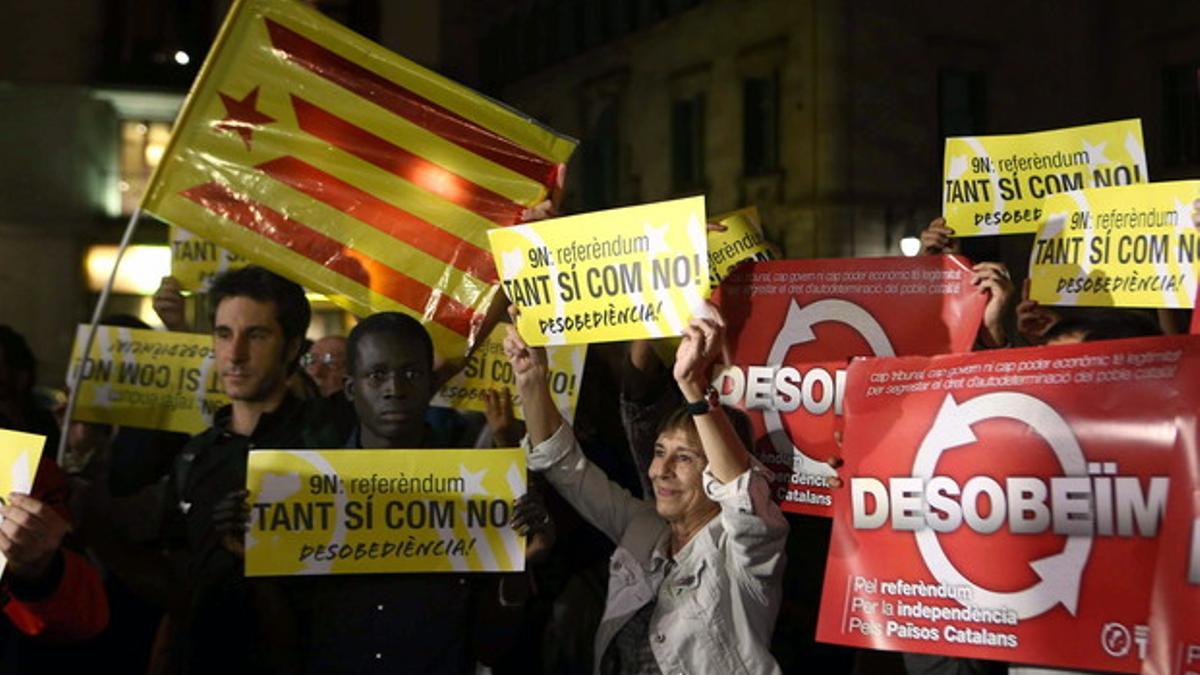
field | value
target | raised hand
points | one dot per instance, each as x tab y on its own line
531	519
531	372
529	363
169	304
702	345
500	417
936	238
1033	320
994	279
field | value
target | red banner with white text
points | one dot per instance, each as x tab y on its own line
1175	600
793	327
1006	504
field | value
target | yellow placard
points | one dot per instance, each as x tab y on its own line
20	454
194	261
487	369
998	184
146	378
1134	246
741	241
373	511
623	274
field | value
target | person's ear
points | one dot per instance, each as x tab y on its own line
348	388
292	351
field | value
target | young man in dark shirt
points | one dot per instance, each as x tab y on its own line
220	621
411	623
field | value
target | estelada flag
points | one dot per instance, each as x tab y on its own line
321	155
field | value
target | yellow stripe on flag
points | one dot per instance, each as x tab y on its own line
295	123
461	162
338	225
490	114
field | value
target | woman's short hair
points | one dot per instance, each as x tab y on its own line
681	420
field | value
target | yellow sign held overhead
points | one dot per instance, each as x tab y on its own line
998	184
1135	246
315	512
741	241
623	274
488	369
146	378
195	262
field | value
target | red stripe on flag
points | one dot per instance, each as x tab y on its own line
354	265
408	104
400	162
386	218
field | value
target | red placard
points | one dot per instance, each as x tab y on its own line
793	327
1005	505
1175	601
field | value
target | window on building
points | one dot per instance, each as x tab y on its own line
673	6
142	146
579	18
962	102
617	17
360	16
595	24
760	124
687	143
600	162
650	11
633	11
533	39
1181	115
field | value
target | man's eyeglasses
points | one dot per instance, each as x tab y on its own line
326	359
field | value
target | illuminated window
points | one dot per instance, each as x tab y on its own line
142	146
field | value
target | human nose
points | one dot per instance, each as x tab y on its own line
666	468
392	385
240	348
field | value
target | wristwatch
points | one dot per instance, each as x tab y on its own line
710	400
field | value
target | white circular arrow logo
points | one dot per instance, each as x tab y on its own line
798	329
1060	573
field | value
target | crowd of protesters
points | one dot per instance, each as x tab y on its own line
653	544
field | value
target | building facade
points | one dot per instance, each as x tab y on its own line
828	115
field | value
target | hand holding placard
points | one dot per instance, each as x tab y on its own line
23	540
998	184
621	274
30	536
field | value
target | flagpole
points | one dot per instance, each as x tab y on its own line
73	382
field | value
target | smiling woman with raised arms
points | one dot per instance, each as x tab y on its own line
694	584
